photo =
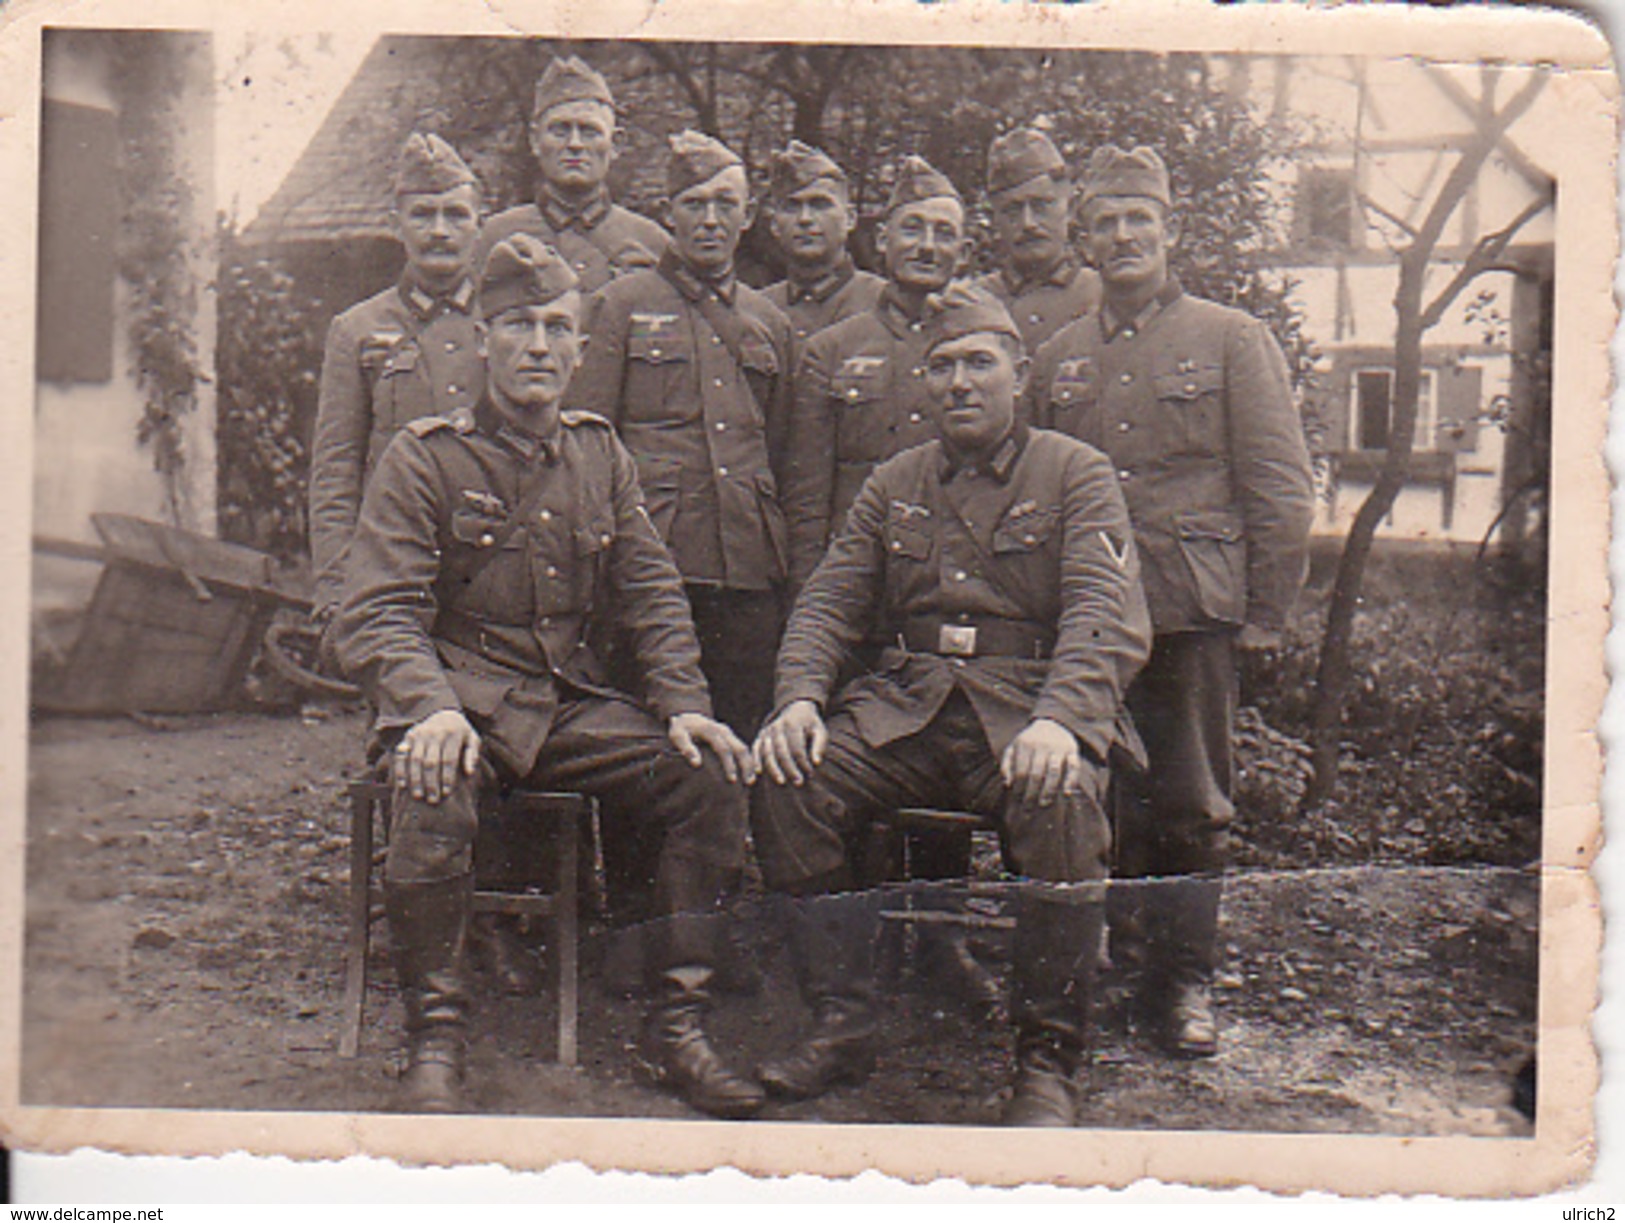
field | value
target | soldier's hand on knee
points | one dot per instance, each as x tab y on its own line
431	754
792	744
1043	763
689	732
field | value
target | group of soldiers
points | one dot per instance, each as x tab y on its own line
589	513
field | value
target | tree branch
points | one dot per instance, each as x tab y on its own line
1482	258
1367	202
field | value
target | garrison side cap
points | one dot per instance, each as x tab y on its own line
428	165
522	270
569	79
1019	157
798	166
962	309
917	180
696	158
1111	171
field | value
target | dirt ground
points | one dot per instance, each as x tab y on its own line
185	932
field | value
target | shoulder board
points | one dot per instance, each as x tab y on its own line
578	417
460	421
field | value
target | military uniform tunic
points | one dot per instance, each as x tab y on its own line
838	294
398	356
1192	403
859	399
600	240
1044	304
707	429
429	624
1194	406
1006	593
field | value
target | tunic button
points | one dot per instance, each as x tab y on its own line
896	546
1124	474
452	387
451	345
851	392
716	339
1034	318
606	539
1128	333
1126	379
721	425
545	622
1029	540
801	333
722	471
552	571
960	575
914	418
487	540
654	352
717	381
581	265
1123	426
1190	388
546	515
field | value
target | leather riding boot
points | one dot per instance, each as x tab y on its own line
1056	952
1183	923
428	933
681	960
832	952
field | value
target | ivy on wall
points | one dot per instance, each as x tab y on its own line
150	73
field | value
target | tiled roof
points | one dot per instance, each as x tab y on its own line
339	189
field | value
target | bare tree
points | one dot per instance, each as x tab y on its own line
1415	315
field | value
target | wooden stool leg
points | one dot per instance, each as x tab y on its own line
355	969
565	923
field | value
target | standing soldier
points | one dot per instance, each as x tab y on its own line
493	544
572	134
1039	278
810	213
1192	402
998	565
691	366
405	353
859	396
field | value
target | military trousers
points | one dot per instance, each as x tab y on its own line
802	832
739	642
619	754
1175	819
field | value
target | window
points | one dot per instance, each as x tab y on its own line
1325	212
1371	417
78	218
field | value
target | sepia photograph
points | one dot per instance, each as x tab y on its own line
822	581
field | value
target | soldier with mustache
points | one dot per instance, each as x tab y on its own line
1192	402
1029	196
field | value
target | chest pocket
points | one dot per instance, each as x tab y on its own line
907	539
1026	532
1190	408
488	574
658	347
401	390
863	414
1074	400
761	367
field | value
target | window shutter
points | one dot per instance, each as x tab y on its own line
78	224
1460	391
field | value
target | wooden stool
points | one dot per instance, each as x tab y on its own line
563	813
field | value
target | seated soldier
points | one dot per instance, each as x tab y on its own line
999	563
492	544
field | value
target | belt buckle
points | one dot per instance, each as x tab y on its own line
957	640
